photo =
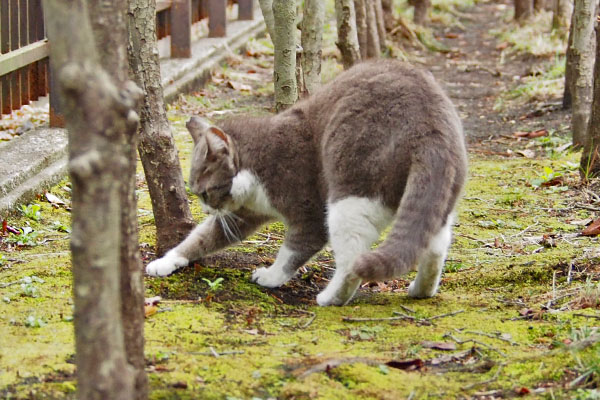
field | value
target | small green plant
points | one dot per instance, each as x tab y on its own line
548	175
27	237
214	286
454	267
31	211
60	227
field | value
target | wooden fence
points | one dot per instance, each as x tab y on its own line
24	68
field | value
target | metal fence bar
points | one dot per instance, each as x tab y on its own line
5	48
15	76
217	18
24	41
181	29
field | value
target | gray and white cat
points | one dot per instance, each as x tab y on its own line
380	144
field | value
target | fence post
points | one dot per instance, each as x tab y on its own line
217	18
245	10
181	29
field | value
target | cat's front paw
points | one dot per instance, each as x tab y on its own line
270	277
166	265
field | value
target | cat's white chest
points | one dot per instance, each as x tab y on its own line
248	191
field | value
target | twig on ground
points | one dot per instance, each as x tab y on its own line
404	317
491	380
487	346
445	315
584	207
498	336
217	354
310	320
213	352
587	316
407	309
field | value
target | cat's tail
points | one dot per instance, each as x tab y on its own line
435	181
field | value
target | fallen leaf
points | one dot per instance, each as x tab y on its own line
4	227
502	46
439	345
526	153
450	35
580	222
152	301
531	134
54	200
239	86
150	310
5	136
556	181
417	363
179	385
593	229
522	391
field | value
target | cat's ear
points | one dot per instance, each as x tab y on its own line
197	127
217	141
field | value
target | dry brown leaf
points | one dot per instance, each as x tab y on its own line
239	86
531	134
439	345
150	310
593	229
526	153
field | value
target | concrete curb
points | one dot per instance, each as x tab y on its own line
37	160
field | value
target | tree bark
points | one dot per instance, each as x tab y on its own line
373	46
421	9
562	11
590	158
388	14
347	36
380	25
360	10
567	100
311	40
98	116
110	31
266	7
284	43
157	150
583	51
523	9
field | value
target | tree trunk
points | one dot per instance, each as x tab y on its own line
590	158
373	46
420	12
311	39
583	51
539	5
99	113
380	25
388	14
523	9
568	90
347	36
266	7
360	10
284	42
561	14
110	31
158	153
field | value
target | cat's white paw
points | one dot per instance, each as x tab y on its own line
339	291
166	265
421	292
270	277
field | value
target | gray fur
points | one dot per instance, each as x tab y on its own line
382	130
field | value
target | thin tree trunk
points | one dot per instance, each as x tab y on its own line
590	158
523	9
158	153
583	51
561	14
539	5
284	42
568	90
380	24
266	7
360	9
347	36
421	9
110	31
373	46
311	40
388	14
98	115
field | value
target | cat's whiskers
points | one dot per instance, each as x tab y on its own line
232	235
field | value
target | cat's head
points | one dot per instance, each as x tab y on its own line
213	165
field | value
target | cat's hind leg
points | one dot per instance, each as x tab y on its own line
299	246
355	223
431	264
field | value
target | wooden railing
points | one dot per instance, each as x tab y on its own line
24	68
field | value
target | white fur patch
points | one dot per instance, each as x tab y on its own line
275	275
355	223
167	264
248	191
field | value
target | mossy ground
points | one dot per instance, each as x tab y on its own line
516	276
